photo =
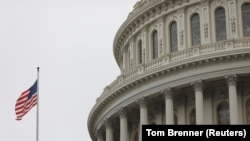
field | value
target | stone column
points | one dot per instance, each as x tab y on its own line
109	130
143	114
143	111
233	103
123	125
169	107
199	106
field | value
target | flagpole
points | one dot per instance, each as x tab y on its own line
37	110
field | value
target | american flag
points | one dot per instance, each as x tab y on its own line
26	101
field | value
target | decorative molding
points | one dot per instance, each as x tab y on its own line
161	46
197	85
219	3
167	93
205	28
140	3
142	102
233	24
195	10
231	79
123	112
181	33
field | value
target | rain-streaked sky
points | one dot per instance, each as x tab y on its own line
71	41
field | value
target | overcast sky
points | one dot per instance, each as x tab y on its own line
71	41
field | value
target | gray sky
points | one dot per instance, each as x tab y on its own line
71	41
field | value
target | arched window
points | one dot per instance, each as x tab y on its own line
246	19
195	27
155	44
248	111
173	37
220	23
192	117
139	46
223	113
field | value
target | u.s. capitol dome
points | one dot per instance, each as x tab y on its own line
182	62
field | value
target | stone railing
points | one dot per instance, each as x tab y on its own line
168	59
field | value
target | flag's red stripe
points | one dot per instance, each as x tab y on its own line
23	105
26	110
27	104
22	100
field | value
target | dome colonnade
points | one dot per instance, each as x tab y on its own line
181	62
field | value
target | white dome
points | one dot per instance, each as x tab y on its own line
181	62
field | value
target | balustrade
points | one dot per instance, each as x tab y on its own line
175	57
